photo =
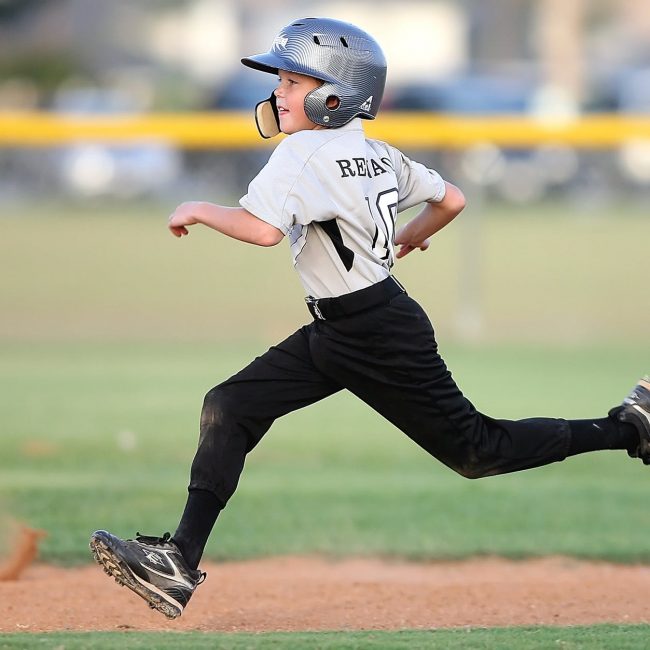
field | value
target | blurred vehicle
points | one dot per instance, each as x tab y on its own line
242	91
468	94
632	97
625	91
126	171
228	173
517	175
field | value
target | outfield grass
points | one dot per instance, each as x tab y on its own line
102	436
112	331
598	637
553	274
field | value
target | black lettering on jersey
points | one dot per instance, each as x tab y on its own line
362	166
376	168
387	161
346	168
333	231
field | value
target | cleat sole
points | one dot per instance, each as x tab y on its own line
124	577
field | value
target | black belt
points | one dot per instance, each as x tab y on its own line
352	303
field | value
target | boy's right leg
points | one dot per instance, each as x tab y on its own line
235	416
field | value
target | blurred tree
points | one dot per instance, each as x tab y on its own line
12	9
46	70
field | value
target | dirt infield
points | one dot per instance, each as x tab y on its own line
307	593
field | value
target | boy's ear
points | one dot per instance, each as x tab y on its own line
266	117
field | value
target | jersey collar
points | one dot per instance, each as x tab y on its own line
353	125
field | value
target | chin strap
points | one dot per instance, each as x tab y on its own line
266	118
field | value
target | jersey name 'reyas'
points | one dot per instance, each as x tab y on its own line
362	167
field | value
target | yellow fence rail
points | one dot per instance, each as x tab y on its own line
226	130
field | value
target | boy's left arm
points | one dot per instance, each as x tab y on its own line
432	218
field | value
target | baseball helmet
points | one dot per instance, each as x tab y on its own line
348	60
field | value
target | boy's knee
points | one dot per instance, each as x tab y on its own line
215	408
471	466
470	471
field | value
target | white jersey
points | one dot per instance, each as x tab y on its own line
336	194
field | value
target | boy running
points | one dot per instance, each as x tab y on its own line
335	194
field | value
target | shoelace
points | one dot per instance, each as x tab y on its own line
159	541
151	539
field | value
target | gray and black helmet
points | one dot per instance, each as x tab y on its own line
348	61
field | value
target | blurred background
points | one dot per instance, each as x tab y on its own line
546	59
537	64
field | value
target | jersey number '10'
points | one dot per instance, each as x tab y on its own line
384	216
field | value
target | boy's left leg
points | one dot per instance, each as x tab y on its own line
396	369
635	410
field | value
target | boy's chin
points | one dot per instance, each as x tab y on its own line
291	130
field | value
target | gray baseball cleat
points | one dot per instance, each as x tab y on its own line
635	409
152	567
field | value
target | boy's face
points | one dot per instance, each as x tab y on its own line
290	98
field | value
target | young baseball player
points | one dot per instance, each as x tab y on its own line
335	194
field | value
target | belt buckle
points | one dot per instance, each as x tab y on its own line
313	303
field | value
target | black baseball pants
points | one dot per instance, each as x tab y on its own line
388	357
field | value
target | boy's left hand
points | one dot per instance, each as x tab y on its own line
406	248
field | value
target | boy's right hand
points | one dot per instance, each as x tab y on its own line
183	216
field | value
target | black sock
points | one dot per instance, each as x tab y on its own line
200	514
606	433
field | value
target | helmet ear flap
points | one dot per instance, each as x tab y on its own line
266	117
322	104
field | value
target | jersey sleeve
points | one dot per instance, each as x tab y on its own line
416	182
287	190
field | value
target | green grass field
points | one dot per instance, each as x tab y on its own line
101	435
112	331
599	637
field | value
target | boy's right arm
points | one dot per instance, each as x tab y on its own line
235	222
